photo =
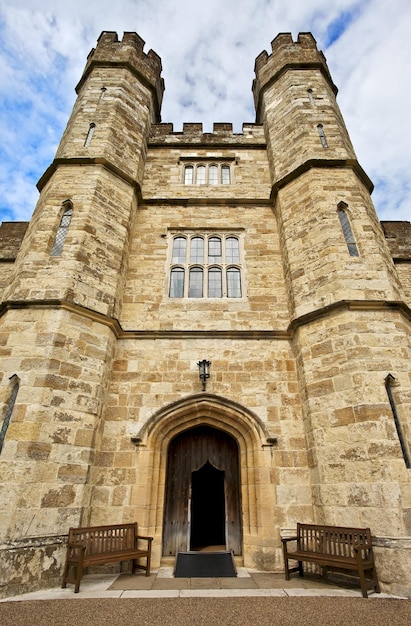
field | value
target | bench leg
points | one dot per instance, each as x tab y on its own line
286	568
135	566
363	582
79	572
300	569
65	572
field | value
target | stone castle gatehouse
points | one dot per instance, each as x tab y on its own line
253	259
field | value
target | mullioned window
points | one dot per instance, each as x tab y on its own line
205	266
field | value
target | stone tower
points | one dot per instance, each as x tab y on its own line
258	253
341	288
60	309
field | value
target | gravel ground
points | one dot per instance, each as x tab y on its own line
302	611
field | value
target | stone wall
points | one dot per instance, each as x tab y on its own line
35	563
62	360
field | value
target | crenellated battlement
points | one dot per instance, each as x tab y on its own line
129	52
192	133
285	50
287	54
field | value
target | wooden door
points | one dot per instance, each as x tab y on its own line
216	453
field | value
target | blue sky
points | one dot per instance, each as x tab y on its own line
208	51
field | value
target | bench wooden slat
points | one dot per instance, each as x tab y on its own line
99	545
336	547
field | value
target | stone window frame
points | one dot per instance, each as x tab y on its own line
188	267
90	133
15	386
390	383
200	172
347	231
321	134
62	229
311	97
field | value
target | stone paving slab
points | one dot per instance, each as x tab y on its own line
160	585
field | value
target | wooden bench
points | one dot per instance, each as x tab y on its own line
333	547
99	545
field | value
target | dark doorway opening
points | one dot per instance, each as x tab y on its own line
202	495
207	509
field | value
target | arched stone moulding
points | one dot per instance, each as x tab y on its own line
205	409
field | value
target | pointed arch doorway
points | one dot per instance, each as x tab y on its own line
202	499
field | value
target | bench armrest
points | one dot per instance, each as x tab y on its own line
79	546
365	546
143	538
285	539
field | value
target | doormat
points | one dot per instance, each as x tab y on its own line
205	565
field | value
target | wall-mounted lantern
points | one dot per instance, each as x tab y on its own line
204	371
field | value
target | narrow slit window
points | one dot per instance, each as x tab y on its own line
90	134
347	231
323	138
9	410
389	381
102	94
311	96
62	230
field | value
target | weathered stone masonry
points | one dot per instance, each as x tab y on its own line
107	361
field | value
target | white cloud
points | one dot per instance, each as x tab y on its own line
208	51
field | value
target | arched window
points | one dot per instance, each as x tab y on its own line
321	133
188	175
179	250
177	282
215	285
90	134
62	229
232	250
201	175
9	410
346	229
213	175
233	282
214	250
197	250
225	175
195	283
